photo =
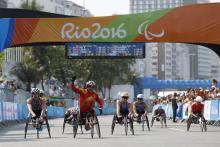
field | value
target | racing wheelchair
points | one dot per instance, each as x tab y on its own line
89	119
141	119
124	120
70	122
36	123
197	120
159	118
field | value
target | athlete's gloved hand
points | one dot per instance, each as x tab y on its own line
73	79
100	111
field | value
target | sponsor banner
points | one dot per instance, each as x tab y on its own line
8	111
214	110
20	113
158	26
1	111
207	109
50	111
15	111
219	111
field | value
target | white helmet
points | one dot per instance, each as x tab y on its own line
35	90
124	94
140	96
90	84
198	99
41	91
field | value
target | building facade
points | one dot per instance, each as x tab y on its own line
3	4
165	57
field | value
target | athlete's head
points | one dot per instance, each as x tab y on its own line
140	97
90	85
124	95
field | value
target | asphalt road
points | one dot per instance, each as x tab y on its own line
173	136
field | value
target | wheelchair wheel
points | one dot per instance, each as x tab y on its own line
147	122
81	129
64	123
126	125
188	124
26	127
37	127
97	126
92	126
131	126
113	124
203	126
75	126
48	127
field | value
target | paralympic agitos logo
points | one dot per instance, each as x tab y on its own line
72	31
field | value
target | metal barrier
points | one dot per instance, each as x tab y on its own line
211	111
13	111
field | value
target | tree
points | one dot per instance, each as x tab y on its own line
2	57
31	5
25	73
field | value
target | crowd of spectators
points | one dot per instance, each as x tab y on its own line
212	93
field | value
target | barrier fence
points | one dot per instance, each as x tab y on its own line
13	111
211	110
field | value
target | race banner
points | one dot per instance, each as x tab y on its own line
207	109
1	112
198	23
214	110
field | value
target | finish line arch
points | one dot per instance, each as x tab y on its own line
194	24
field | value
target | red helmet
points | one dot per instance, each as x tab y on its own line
90	84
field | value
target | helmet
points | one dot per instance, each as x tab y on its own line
41	91
124	94
35	90
75	110
90	84
140	96
198	99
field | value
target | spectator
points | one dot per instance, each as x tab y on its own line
174	106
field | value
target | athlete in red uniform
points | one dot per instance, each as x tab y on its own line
196	112
87	98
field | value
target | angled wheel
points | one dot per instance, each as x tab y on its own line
37	127
64	124
147	122
92	126
126	125
203	125
81	129
26	127
113	124
48	126
75	126
97	126
131	126
142	121
188	124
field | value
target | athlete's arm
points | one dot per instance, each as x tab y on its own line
118	108
29	101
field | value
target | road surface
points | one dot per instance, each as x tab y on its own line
173	136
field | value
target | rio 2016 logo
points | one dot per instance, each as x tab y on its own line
72	31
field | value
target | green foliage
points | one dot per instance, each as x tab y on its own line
31	5
2	57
